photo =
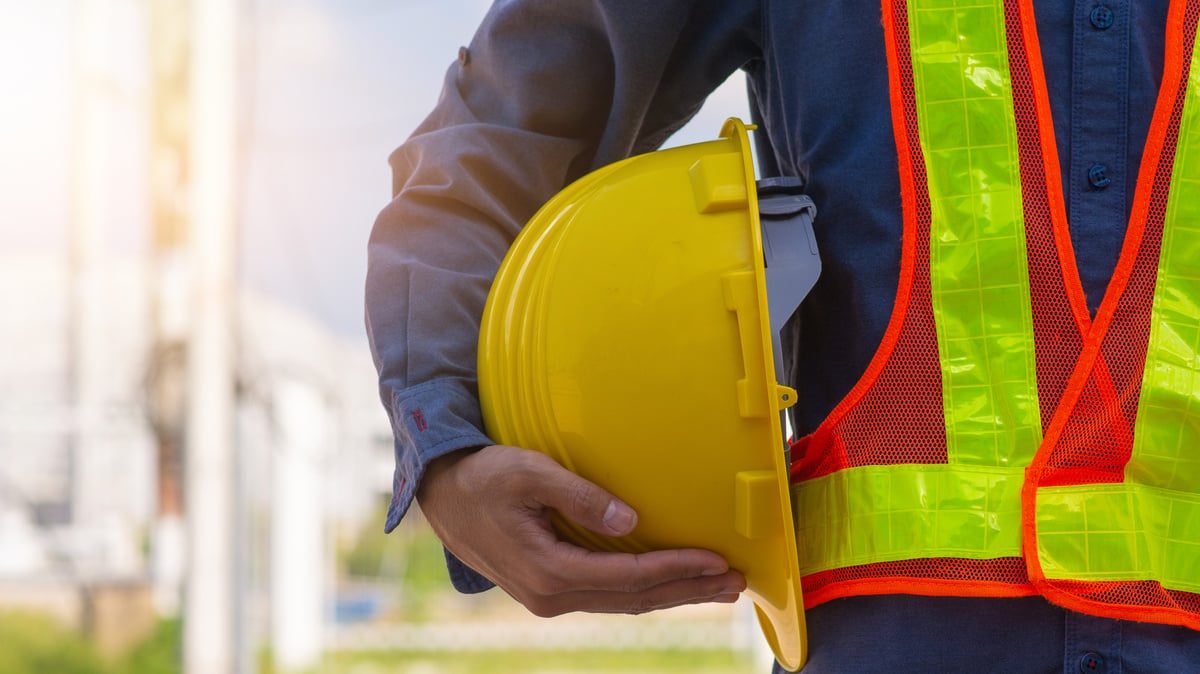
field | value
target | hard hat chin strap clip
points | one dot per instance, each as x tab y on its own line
789	252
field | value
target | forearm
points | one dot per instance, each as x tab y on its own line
432	255
550	90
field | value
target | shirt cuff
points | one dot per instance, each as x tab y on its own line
464	578
429	420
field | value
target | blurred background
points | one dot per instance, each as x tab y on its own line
194	464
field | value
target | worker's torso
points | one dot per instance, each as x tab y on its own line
1001	441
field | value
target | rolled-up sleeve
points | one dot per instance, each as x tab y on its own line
547	90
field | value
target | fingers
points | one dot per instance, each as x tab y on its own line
573	579
722	589
614	571
582	501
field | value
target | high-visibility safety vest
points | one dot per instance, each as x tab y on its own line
1002	441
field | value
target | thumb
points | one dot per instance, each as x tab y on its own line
587	504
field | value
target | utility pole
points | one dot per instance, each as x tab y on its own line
90	218
170	61
210	615
298	573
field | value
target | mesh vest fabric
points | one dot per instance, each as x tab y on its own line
997	416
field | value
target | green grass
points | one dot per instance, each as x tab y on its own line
30	642
34	644
541	662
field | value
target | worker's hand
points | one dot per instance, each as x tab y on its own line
492	508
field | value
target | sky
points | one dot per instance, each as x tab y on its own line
330	88
35	78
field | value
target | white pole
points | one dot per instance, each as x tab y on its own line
297	525
91	216
209	611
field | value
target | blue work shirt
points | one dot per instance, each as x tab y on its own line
550	89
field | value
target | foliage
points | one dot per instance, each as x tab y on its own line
410	555
161	653
407	566
31	643
426	568
364	557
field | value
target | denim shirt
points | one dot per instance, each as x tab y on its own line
550	89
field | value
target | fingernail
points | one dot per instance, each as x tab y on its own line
714	571
619	518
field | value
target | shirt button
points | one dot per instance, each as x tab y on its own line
1098	176
1091	663
1102	17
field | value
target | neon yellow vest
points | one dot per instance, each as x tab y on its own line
1002	442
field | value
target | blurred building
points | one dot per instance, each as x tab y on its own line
78	474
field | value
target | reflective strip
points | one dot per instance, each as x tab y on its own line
887	513
1099	532
1166	449
977	258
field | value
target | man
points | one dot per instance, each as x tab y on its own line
915	128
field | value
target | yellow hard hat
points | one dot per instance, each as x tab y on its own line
628	335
